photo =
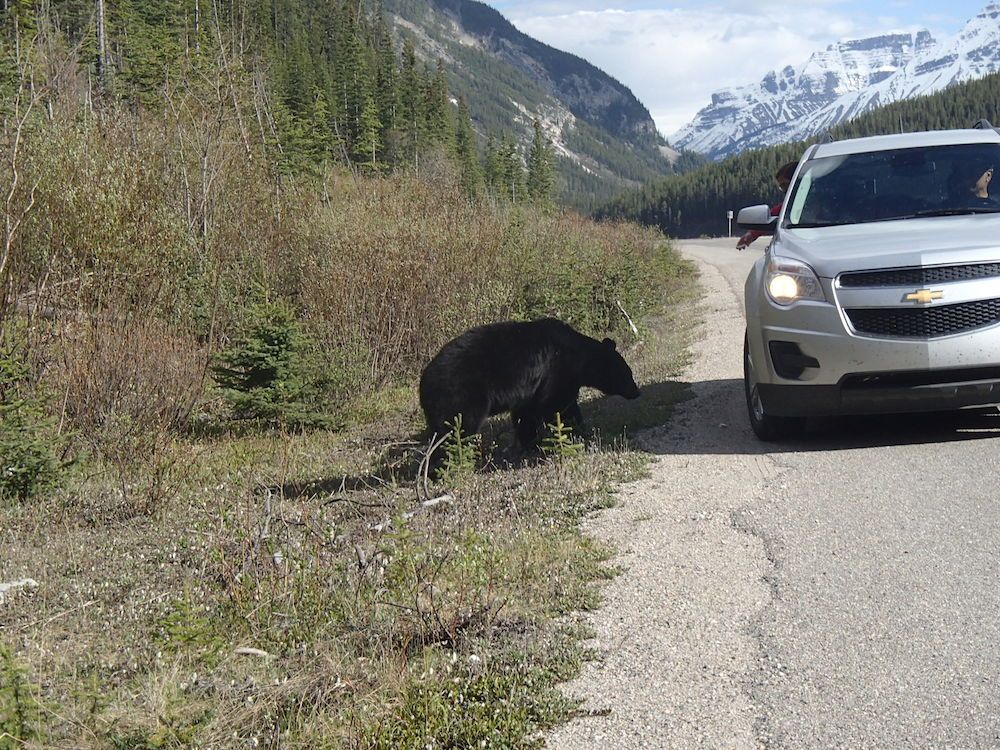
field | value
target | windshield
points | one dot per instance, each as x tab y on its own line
898	184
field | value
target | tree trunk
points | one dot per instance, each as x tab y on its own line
102	52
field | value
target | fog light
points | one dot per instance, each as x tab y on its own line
788	360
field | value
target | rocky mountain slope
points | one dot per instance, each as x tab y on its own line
840	83
604	135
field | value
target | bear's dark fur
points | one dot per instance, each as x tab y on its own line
532	370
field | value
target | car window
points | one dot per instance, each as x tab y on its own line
902	183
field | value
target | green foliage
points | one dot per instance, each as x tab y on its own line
21	715
611	133
495	706
29	445
186	631
505	171
272	373
695	203
540	183
560	442
461	454
470	172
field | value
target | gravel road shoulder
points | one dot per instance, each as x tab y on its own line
675	639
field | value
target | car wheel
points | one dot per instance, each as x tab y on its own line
765	426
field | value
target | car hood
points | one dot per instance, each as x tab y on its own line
931	241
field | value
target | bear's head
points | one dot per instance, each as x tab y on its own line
611	373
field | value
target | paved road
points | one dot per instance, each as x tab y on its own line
840	592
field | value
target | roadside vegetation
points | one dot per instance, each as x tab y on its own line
209	438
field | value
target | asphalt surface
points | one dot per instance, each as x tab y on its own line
836	592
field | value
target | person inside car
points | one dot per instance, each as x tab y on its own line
970	187
784	178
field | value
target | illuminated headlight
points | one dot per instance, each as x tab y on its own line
789	281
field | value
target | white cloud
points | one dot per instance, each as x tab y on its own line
673	59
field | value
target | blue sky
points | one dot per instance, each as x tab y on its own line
673	55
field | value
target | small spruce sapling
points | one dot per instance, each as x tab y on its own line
461	453
560	442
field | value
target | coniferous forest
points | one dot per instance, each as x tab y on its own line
695	203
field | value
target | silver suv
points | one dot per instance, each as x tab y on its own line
880	290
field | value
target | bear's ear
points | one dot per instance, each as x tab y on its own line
611	343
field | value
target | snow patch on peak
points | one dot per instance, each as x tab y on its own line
839	83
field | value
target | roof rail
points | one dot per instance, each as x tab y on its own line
825	137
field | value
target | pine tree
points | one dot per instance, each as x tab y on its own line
353	77
367	141
465	151
512	171
386	95
437	108
318	141
493	168
540	168
410	110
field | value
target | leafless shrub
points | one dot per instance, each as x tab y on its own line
126	383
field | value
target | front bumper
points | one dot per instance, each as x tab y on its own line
885	393
860	374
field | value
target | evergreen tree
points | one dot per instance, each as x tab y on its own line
367	141
354	80
540	168
386	95
318	141
511	171
437	108
493	168
149	38
466	152
410	109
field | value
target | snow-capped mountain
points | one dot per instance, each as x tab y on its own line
838	84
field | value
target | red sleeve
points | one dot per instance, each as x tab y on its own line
753	233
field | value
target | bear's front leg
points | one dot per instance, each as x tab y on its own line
565	405
572	415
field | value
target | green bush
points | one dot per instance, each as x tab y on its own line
29	463
21	718
273	373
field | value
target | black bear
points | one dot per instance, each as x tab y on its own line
532	370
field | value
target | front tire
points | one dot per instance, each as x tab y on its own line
765	426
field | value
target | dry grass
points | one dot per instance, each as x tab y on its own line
373	627
201	587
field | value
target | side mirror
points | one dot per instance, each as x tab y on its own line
757	218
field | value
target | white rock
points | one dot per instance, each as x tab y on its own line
24	583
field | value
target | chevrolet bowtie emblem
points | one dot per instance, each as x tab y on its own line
924	296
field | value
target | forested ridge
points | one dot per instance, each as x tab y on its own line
232	232
509	77
695	203
312	83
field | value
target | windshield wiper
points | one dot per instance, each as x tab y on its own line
953	211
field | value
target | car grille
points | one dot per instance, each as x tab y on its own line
924	322
919	276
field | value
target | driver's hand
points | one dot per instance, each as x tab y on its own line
744	242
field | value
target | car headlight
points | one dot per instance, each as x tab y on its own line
789	281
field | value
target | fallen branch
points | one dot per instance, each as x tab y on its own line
631	325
